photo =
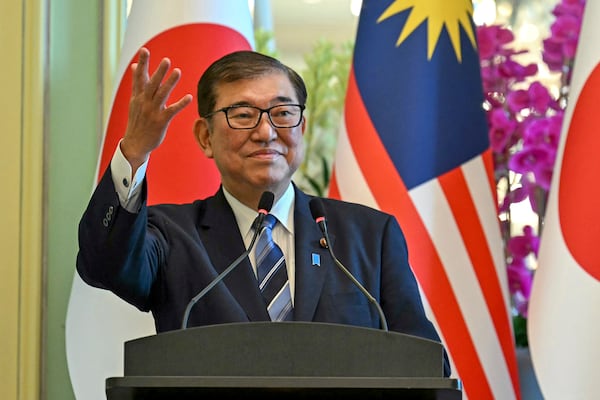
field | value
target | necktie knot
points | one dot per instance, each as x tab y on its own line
269	222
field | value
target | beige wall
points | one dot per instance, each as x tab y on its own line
53	55
21	148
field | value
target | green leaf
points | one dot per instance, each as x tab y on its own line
520	329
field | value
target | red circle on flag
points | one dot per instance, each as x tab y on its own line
178	171
578	188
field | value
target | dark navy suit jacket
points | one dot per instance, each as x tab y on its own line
160	258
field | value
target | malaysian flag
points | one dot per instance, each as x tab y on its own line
192	34
414	143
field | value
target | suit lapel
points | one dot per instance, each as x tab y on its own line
223	242
312	260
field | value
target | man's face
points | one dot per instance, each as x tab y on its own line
253	160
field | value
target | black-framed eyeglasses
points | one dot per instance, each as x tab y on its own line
248	117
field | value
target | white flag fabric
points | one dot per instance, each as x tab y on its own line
564	310
192	34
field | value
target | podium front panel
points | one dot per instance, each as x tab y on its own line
295	349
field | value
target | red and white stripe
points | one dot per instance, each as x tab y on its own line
455	250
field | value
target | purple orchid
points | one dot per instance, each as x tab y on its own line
520	280
536	98
525	122
501	129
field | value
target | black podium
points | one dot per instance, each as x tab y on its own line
292	360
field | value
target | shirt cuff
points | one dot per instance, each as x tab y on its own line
128	189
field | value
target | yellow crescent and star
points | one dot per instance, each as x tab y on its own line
451	14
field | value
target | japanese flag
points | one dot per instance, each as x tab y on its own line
564	313
192	34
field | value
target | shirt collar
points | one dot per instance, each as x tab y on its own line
282	210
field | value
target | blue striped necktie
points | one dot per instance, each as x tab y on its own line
272	273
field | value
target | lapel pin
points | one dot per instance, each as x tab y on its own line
323	243
316	260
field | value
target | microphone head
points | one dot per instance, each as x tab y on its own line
266	202
316	209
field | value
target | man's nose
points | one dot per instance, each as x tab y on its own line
265	130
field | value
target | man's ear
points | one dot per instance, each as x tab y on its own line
303	125
202	135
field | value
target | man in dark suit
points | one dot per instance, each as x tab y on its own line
251	123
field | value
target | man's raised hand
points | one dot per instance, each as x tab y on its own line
149	114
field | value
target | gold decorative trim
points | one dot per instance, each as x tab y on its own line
32	194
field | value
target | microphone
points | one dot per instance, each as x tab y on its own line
318	213
264	206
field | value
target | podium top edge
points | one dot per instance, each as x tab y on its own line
283	325
284	382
